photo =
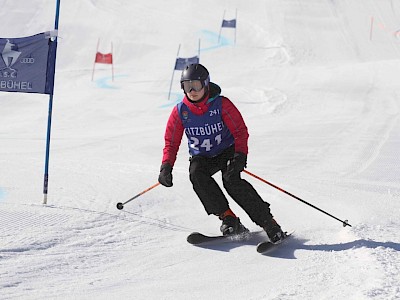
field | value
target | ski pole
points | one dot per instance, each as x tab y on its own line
121	205
345	222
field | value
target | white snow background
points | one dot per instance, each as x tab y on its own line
320	96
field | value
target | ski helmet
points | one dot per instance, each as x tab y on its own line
195	72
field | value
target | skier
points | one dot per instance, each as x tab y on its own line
217	140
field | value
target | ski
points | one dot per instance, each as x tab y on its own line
265	246
197	238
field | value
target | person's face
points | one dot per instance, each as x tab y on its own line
194	89
196	96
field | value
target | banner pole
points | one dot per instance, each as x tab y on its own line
219	35
236	21
94	63
172	77
46	168
199	49
371	28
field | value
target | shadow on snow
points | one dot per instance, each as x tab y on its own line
287	249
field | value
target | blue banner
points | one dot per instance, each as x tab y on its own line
27	65
229	23
181	63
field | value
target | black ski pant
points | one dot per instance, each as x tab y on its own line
202	169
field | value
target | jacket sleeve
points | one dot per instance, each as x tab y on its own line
235	123
172	137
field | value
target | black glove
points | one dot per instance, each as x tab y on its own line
236	164
165	177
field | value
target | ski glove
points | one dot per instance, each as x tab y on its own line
165	177
236	164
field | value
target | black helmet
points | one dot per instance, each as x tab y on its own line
195	72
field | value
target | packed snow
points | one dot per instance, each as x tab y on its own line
317	82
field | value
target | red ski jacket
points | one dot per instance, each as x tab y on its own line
231	117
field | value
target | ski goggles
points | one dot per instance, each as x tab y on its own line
192	85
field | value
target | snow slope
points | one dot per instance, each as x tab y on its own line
320	96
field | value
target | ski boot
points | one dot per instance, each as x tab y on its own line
232	226
274	231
